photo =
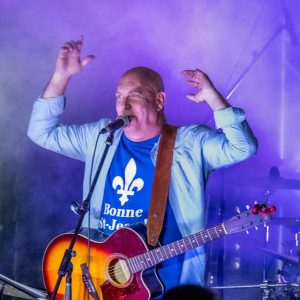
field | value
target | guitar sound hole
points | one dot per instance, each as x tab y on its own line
118	272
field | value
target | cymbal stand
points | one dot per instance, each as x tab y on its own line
297	239
267	194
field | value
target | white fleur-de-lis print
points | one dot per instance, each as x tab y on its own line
125	188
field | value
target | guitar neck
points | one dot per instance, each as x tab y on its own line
160	254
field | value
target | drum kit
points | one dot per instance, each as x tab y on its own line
287	283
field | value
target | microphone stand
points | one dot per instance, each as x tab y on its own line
68	290
65	265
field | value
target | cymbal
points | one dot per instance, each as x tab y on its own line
284	257
13	292
16	289
272	182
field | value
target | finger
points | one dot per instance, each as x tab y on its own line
79	42
194	83
80	39
187	73
74	45
194	98
199	72
198	76
191	97
63	52
64	49
193	80
86	60
70	46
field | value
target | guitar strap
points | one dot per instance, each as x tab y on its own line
161	183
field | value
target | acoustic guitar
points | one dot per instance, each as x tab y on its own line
122	266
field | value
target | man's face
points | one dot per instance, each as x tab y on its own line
141	102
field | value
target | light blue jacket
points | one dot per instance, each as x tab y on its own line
198	150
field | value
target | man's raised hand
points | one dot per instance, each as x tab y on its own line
68	62
206	92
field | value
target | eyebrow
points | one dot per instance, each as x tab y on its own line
139	89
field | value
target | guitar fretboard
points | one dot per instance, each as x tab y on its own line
158	255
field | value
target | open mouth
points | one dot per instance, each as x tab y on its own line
130	116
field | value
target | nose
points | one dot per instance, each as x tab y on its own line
125	102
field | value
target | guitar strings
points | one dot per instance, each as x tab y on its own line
212	233
116	273
116	270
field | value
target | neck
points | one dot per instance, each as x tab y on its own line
140	135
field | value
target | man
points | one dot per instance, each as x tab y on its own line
123	190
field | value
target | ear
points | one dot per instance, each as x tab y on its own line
160	101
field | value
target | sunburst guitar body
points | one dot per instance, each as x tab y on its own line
111	276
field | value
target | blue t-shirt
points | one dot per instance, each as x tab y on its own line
127	197
128	185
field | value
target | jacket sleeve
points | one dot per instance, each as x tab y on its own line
46	130
233	144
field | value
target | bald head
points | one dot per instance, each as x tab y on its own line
148	77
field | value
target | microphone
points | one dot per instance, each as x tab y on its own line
121	121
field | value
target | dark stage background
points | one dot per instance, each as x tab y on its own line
221	37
